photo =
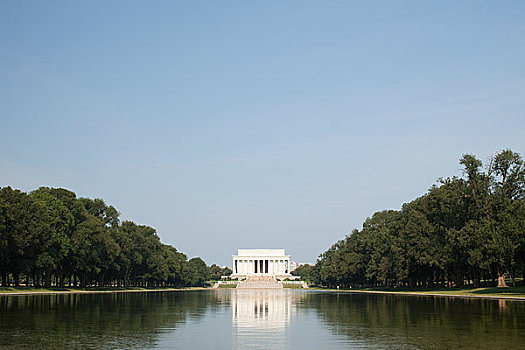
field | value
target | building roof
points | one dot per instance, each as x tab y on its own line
260	252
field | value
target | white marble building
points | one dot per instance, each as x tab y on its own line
261	262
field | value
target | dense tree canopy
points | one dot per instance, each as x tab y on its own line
469	229
463	230
51	237
216	272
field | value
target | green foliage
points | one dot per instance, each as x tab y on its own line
462	230
25	234
217	272
50	236
305	272
196	272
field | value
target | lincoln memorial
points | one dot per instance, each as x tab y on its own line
261	262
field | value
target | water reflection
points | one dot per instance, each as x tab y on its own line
411	322
261	309
260	317
502	303
96	321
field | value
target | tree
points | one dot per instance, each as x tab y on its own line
463	229
215	272
196	272
51	235
62	223
25	233
305	272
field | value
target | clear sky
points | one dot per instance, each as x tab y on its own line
255	124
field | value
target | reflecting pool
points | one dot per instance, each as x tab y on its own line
258	319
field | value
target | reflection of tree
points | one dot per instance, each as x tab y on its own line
97	321
396	322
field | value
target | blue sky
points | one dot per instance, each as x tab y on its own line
246	124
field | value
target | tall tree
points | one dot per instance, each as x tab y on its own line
25	233
462	230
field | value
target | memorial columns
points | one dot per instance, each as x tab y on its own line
266	262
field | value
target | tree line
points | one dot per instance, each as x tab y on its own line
464	230
49	237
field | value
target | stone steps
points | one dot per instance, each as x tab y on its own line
260	282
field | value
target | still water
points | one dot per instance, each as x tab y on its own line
258	319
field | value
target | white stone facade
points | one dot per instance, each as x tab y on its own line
261	262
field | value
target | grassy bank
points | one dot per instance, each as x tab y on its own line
490	292
66	290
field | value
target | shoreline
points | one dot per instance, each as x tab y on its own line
62	291
428	294
44	291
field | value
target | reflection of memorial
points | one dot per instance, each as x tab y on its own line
263	309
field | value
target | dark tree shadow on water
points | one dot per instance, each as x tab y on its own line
413	322
97	321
